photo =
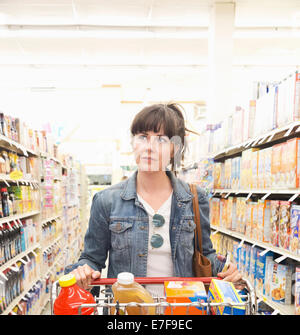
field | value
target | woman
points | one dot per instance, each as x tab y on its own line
145	223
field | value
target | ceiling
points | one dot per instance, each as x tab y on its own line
77	47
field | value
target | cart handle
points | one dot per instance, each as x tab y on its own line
153	280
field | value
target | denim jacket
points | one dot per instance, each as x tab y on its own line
118	228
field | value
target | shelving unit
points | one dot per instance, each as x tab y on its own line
61	250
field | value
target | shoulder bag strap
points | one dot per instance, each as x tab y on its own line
196	217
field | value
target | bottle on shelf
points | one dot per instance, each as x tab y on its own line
126	290
71	297
5	204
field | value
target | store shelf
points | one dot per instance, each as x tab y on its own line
18	216
281	133
10	144
19	256
263	245
53	218
278	308
20	297
6	179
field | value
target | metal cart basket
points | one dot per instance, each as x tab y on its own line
105	300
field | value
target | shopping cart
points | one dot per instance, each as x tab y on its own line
105	300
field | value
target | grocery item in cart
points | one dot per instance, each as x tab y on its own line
71	297
126	290
185	292
221	291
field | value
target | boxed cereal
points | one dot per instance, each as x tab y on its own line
297	291
223	212
281	285
261	261
268	277
185	292
242	215
229	213
267	221
295	229
283	166
249	215
221	291
276	165
254	223
274	220
233	215
252	269
261	169
284	234
267	168
255	164
293	163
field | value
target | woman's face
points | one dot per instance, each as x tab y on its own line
152	151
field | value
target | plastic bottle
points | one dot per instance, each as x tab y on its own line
126	290
5	205
71	296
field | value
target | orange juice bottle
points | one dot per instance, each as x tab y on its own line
126	290
71	296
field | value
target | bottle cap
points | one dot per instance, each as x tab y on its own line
67	280
125	278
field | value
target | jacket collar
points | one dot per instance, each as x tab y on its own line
181	189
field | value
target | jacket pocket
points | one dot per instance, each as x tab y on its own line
187	233
121	234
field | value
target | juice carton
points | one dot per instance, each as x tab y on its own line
185	292
284	224
281	285
295	229
261	261
292	163
221	292
276	165
297	291
274	219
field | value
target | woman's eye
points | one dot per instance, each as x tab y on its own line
142	137
163	139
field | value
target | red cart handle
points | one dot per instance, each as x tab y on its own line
153	280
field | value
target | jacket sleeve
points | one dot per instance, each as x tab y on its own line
97	238
207	245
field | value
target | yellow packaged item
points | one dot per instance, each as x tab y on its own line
185	292
221	291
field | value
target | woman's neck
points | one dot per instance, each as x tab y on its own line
153	182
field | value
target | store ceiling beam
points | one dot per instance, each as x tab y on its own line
168	32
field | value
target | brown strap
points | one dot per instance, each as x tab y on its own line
196	216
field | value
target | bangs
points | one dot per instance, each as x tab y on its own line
154	118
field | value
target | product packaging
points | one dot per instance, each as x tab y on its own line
185	292
221	292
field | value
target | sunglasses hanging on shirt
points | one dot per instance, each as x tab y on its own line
156	239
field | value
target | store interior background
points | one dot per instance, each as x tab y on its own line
84	68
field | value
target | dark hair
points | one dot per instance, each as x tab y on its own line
168	117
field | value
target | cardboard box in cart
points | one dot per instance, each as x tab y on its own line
185	292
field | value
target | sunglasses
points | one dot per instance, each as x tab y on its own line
156	239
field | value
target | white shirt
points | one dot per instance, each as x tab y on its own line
159	261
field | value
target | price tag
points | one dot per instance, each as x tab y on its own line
215	232
270	138
248	197
265	196
264	252
289	131
280	259
294	197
